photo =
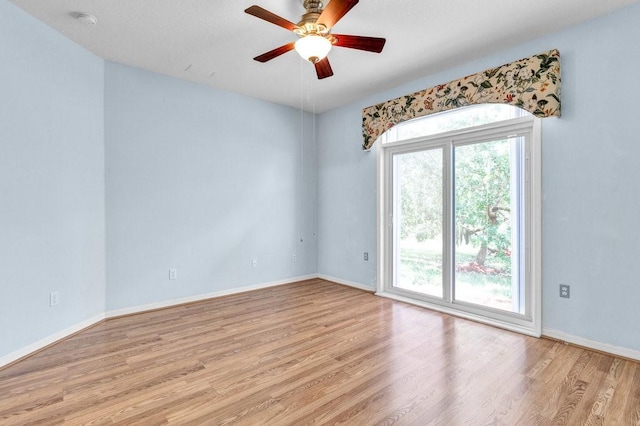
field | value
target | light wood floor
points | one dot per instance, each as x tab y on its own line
314	352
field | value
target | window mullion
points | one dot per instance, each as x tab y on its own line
448	223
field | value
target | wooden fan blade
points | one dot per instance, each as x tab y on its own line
370	44
261	13
274	53
323	68
334	11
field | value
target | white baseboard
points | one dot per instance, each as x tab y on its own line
34	347
200	297
591	344
347	283
42	343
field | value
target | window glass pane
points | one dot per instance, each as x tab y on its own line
418	221
456	119
487	211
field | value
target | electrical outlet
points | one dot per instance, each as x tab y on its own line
294	259
54	298
366	256
254	262
565	291
173	274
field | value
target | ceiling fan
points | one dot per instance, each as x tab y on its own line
314	30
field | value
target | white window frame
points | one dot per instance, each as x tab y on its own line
531	127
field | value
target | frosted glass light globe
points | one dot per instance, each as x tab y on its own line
313	48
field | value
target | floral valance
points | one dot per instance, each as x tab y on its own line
531	83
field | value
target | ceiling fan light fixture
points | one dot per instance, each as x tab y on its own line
313	48
314	32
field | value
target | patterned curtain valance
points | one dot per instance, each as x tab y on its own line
531	83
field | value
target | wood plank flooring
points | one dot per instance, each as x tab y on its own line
314	352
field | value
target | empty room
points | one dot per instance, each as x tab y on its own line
304	212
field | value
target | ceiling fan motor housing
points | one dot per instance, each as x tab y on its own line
308	24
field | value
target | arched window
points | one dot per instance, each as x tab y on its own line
459	214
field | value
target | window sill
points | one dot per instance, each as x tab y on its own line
523	329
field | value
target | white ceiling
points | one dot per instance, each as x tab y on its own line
213	42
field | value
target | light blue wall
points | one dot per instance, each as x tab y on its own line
591	173
52	229
203	181
346	198
192	184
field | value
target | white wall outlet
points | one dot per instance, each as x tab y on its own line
254	262
173	274
294	258
366	256
54	298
